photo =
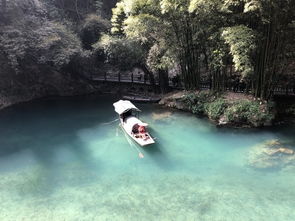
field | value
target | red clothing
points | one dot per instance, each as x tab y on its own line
141	129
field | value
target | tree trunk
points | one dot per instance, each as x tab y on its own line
163	80
150	74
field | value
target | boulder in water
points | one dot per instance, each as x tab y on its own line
270	154
161	115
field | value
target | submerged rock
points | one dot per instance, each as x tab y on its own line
271	155
161	115
283	150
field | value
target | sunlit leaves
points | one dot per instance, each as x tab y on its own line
118	18
143	27
204	6
144	24
252	6
135	7
174	6
241	40
159	58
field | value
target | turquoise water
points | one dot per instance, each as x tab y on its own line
63	159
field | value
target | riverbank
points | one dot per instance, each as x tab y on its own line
227	109
235	110
53	84
65	85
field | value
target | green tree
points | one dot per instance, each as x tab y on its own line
92	29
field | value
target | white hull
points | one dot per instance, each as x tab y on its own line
124	108
141	141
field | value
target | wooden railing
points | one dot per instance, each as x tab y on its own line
140	79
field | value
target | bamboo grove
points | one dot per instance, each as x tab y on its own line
212	39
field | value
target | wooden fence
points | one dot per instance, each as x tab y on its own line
143	79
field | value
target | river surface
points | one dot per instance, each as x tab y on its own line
67	159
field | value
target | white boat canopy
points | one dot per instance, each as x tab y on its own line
123	106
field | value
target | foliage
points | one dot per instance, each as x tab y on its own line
144	28
165	27
92	29
122	53
241	40
271	21
204	6
250	112
201	37
141	21
38	40
216	108
118	18
240	112
196	102
77	10
159	58
56	44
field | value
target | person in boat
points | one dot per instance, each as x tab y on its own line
135	129
139	131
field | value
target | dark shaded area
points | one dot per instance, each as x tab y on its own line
285	106
56	141
46	47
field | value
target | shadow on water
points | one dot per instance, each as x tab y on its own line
47	131
285	135
157	154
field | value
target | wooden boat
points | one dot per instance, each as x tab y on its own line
142	99
134	127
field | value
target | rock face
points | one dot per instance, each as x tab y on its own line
222	121
271	155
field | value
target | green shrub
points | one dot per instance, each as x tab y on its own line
204	102
241	112
190	99
250	112
216	108
196	101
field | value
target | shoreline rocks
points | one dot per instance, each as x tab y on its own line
227	110
175	100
